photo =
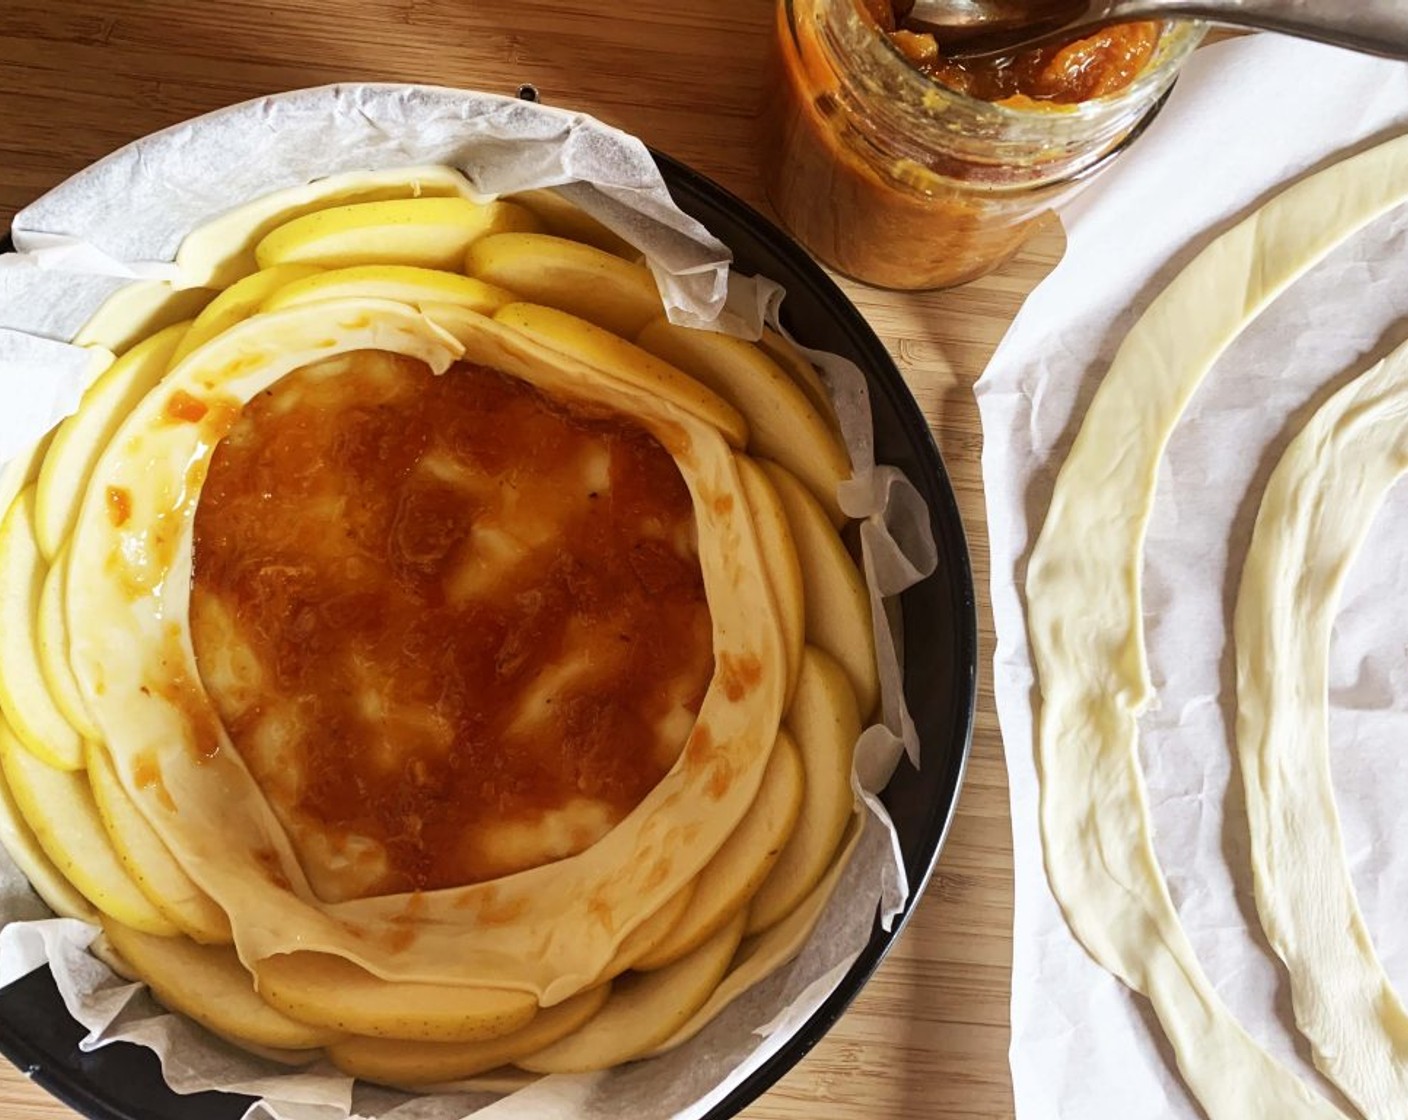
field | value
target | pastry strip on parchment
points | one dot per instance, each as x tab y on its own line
1086	627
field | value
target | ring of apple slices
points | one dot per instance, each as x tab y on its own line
516	970
132	655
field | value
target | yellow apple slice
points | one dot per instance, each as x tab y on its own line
738	869
24	696
624	361
101	948
794	363
782	424
22	471
651	933
208	983
19	840
81	439
148	861
590	283
760	956
425	232
138	311
503	1081
564	219
58	806
222	251
237	303
395	1062
784	569
825	722
52	634
295	1059
403	283
837	603
330	991
644	1010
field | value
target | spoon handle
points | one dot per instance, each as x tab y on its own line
1372	26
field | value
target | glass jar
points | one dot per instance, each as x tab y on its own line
897	181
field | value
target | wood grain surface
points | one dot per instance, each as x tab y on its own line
928	1037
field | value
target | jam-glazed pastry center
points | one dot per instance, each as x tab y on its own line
454	628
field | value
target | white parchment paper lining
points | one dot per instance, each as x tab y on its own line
123	219
1245	118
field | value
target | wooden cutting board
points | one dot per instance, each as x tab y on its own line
928	1037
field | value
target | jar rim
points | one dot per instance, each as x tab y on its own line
1178	40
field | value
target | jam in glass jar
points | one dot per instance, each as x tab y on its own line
878	162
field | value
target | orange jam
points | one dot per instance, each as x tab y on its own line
436	612
1064	74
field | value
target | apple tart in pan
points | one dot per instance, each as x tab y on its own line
419	651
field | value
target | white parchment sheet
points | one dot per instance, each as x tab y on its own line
125	216
1246	117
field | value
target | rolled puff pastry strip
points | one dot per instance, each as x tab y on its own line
1086	628
1314	516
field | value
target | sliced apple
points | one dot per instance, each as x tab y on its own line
644	1010
795	364
330	991
58	806
837	603
425	232
101	948
22	471
784	569
237	303
760	956
782	424
626	362
25	700
138	311
403	283
565	219
396	1062
52	633
503	1081
81	439
739	868
222	251
648	936
148	861
825	723
24	848
295	1059
590	283
208	983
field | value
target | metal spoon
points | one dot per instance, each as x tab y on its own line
979	28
